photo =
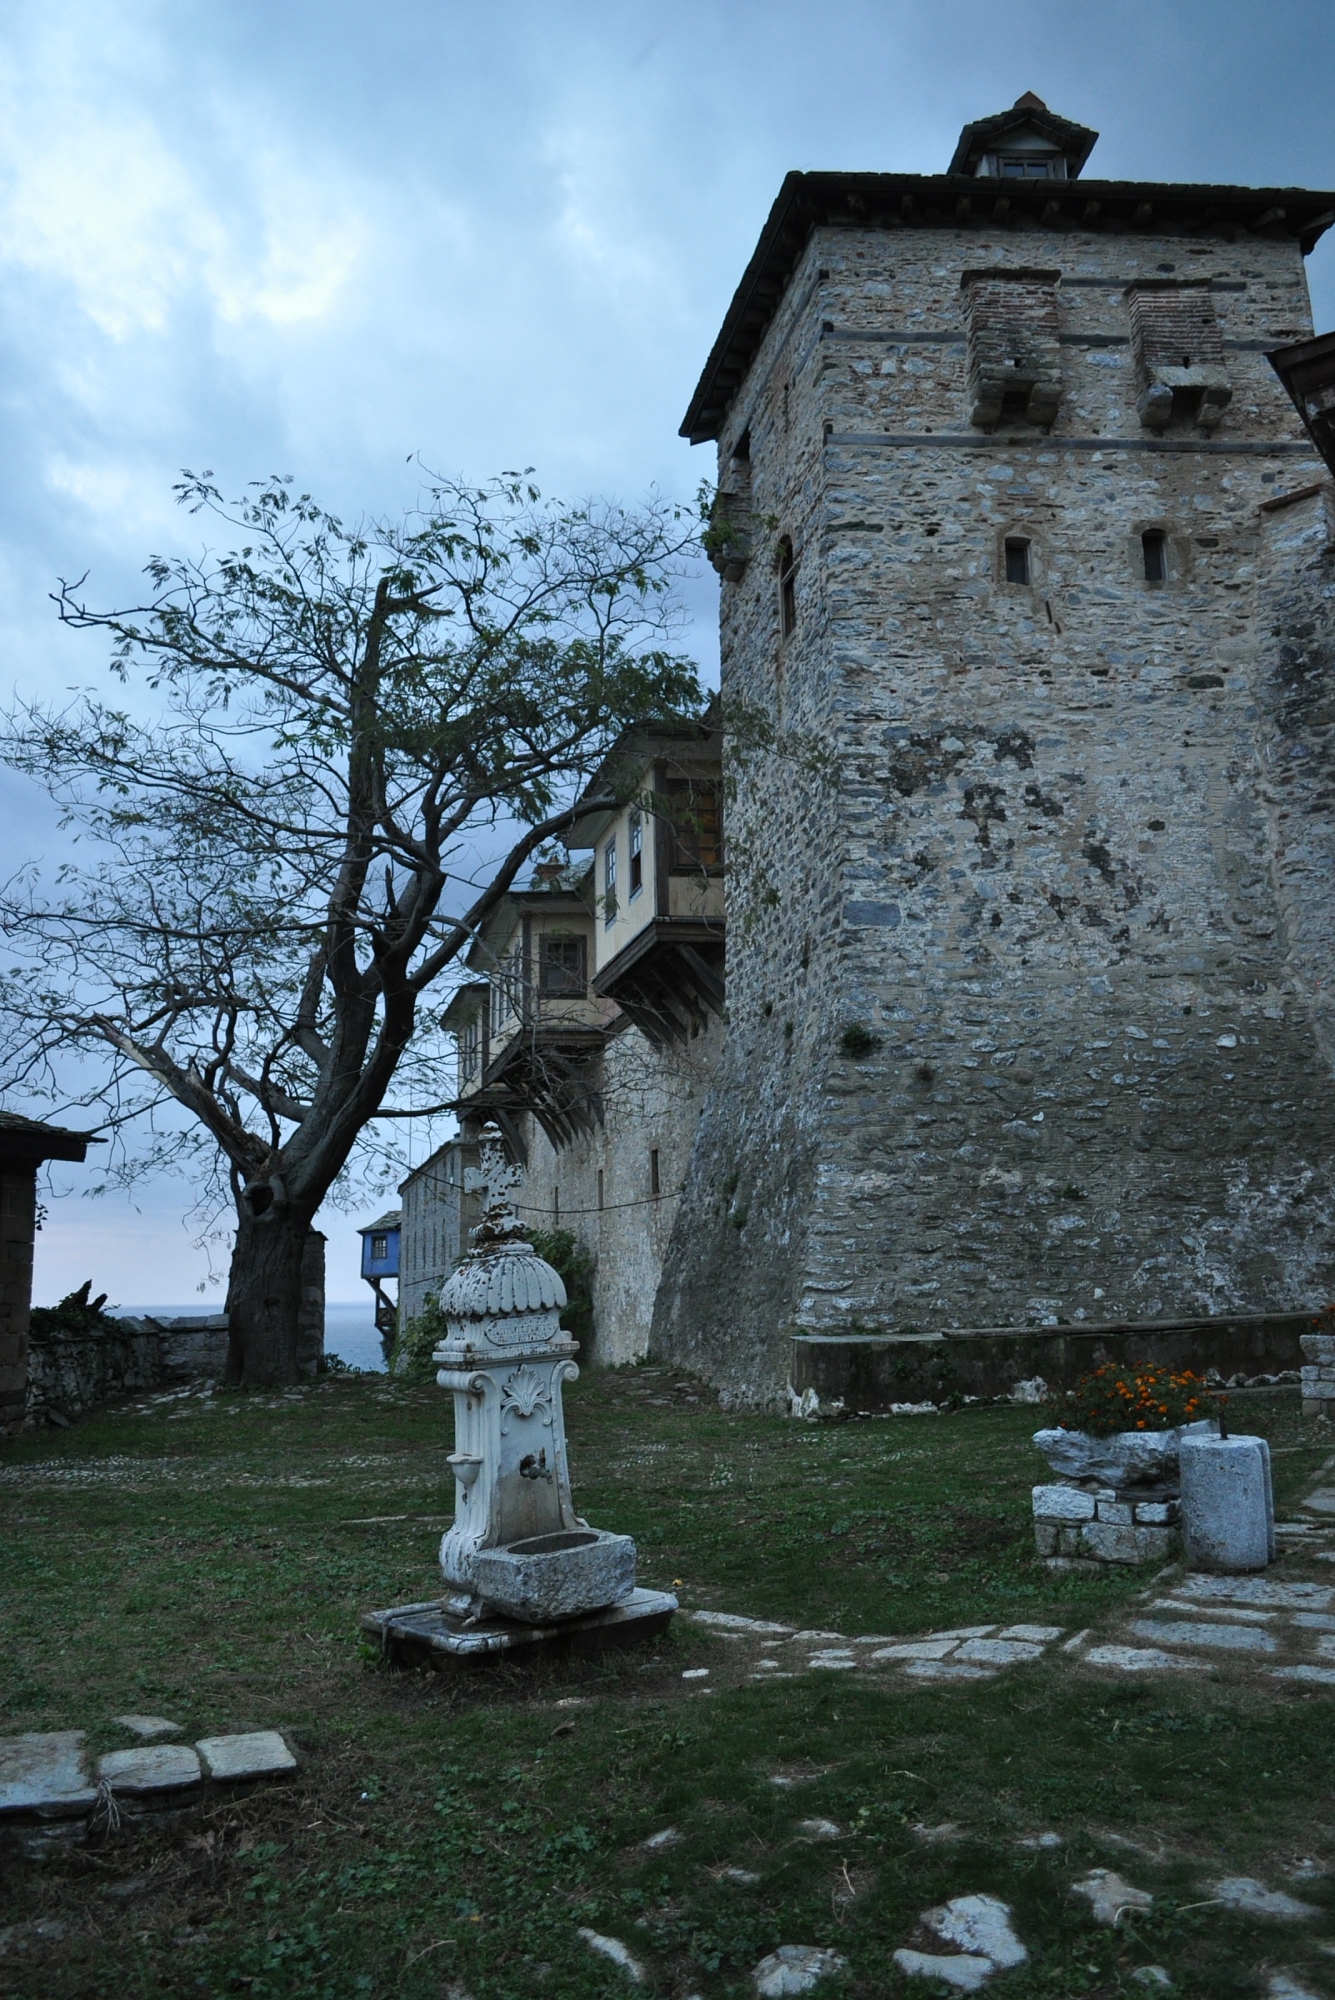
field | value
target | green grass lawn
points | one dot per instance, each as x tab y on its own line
450	1835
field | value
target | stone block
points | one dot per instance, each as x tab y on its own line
45	1774
148	1728
261	1753
152	1767
1156	1513
1118	1511
1062	1503
1319	1347
556	1576
1117	1542
430	1635
1228	1516
1046	1537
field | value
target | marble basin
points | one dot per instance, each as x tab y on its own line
556	1576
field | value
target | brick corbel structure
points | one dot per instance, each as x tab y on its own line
24	1145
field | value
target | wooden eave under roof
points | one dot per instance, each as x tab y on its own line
27	1142
942	201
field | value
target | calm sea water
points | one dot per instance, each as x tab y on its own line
349	1328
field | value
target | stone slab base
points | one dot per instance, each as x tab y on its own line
424	1635
872	1371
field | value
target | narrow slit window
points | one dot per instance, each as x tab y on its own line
1017	561
610	882
636	854
655	1187
556	1208
600	1187
1154	546
787	568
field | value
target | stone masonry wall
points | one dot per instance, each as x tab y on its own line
652	1100
1042	862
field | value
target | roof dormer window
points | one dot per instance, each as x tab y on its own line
1025	167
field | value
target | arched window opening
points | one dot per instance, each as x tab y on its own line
1017	560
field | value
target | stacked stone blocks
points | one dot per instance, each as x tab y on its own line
1093	1523
1318	1377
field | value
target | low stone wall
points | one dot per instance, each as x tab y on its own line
69	1372
874	1371
1083	1522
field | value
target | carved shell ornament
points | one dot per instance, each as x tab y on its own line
525	1394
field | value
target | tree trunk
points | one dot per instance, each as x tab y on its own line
264	1295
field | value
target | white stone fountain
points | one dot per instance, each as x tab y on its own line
521	1564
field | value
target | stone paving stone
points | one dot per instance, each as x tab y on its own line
963	1972
1259	1590
980	1924
1324	1676
1041	1635
261	1753
1241	1614
1136	1659
1242	1892
45	1773
727	1621
1109	1896
999	1652
947	1670
613	1949
153	1767
795	1968
1313	1621
818	1829
917	1649
1183	1632
148	1727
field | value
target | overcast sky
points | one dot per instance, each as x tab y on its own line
320	237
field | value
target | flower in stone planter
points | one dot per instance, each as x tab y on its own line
1144	1398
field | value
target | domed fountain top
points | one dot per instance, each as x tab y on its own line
503	1294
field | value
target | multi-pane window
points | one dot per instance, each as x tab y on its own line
562	965
469	1051
636	854
379	1249
1026	168
695	822
610	881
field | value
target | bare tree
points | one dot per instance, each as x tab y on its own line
346	718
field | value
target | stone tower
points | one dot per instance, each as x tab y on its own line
1027	606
